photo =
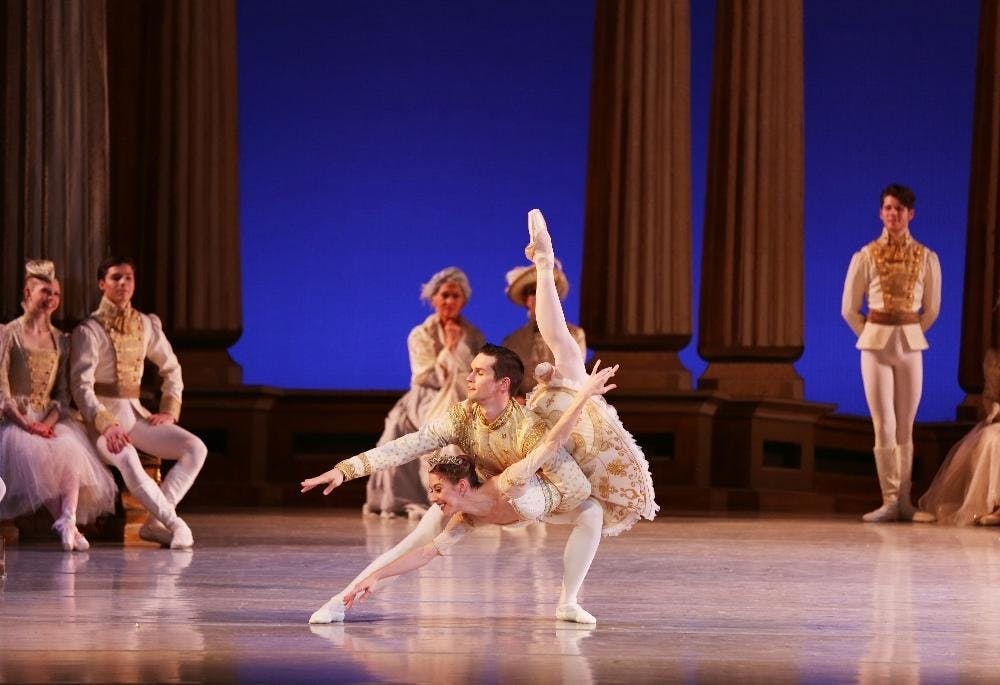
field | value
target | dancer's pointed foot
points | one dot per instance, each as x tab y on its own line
331	612
182	536
154	531
539	248
80	543
574	613
66	528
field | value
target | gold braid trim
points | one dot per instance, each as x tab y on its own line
461	426
346	468
170	405
898	265
532	436
104	420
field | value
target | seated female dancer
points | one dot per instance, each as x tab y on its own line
45	456
528	490
966	489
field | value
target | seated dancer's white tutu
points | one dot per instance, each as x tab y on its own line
35	468
606	452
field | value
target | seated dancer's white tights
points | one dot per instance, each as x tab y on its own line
430	527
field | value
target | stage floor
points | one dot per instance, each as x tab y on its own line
683	599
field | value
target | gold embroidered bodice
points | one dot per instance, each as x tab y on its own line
497	444
898	263
494	446
125	330
42	368
30	374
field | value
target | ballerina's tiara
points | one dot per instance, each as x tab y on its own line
440	457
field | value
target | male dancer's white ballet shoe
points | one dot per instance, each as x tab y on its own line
884	514
331	612
182	538
574	613
154	531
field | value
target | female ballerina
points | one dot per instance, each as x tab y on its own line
45	457
609	457
966	489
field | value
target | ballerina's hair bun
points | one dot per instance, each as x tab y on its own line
42	269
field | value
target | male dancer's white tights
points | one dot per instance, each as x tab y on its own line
893	379
167	442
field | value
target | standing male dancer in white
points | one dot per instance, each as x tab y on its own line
902	281
108	353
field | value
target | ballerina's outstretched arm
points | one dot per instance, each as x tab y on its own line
548	309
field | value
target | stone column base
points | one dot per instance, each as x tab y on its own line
645	371
754	379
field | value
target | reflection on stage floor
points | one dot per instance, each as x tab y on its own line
682	599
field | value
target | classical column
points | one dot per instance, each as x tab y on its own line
54	140
174	203
636	284
982	242
750	314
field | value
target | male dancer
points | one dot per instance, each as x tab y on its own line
902	281
496	432
108	351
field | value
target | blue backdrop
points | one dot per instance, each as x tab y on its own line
382	141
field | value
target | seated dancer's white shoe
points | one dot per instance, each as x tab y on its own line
80	543
66	527
574	613
884	514
331	612
182	539
154	531
415	512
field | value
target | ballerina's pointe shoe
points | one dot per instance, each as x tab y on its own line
66	529
80	543
574	613
539	248
331	612
989	519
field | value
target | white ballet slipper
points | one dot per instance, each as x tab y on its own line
80	543
154	531
884	514
415	512
331	612
66	528
989	519
574	613
182	538
539	249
